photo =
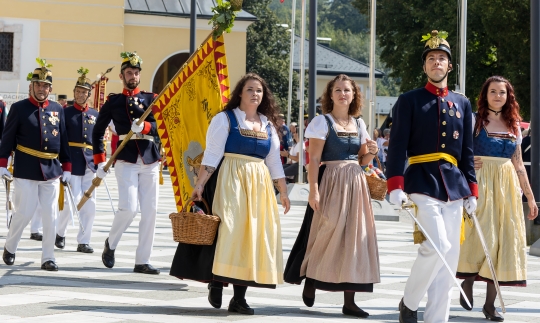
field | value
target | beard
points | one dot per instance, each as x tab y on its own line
132	84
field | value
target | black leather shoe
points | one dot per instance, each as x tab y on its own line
361	313
496	317
462	300
49	266
406	315
308	301
215	295
146	269
240	307
85	248
36	236
9	258
108	255
60	242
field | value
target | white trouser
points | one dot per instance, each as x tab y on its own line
442	222
36	225
79	185
136	182
26	196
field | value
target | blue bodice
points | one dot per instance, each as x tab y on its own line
494	145
341	145
247	142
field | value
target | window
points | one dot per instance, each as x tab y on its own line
6	52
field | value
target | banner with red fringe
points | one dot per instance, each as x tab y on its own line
184	109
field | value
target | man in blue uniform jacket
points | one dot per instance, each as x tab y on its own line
431	130
137	165
35	128
80	121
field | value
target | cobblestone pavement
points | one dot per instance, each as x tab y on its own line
83	290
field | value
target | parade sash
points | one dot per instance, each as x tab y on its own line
37	153
426	158
183	111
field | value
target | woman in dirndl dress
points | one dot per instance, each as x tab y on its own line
240	165
501	180
336	249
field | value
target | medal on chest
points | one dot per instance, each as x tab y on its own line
53	117
91	119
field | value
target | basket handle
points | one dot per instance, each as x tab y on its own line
188	203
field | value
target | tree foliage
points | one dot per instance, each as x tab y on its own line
268	49
498	41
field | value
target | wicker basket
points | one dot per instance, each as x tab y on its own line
377	186
236	5
194	228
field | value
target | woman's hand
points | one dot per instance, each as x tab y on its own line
533	210
285	202
314	200
284	153
196	195
477	163
372	146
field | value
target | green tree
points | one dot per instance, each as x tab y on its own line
268	49
497	41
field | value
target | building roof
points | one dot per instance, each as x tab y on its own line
332	62
177	8
384	104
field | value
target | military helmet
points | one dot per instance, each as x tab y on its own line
130	60
83	81
43	73
436	41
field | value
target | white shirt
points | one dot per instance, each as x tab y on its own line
296	149
218	132
318	128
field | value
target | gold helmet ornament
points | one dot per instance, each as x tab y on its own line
43	73
436	40
83	81
130	59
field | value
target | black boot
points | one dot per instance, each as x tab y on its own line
406	315
240	306
49	266
8	257
215	294
60	242
108	255
36	236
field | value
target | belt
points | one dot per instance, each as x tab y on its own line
81	145
137	136
426	158
37	153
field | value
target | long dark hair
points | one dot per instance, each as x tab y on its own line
268	106
510	110
356	105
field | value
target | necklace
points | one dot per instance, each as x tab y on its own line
494	111
339	122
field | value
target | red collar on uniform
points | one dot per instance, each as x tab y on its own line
127	92
437	91
80	108
37	104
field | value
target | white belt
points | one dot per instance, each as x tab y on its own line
526	163
137	136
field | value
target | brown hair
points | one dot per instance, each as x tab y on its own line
268	106
356	105
510	110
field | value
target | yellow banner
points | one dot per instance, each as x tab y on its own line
184	109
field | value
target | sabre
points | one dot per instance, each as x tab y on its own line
9	206
407	207
109	193
488	257
73	204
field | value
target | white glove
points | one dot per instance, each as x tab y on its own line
470	204
66	177
398	197
4	171
100	172
136	128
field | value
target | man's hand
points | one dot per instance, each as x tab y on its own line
100	172
4	171
135	127
398	197
470	204
477	163
66	176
